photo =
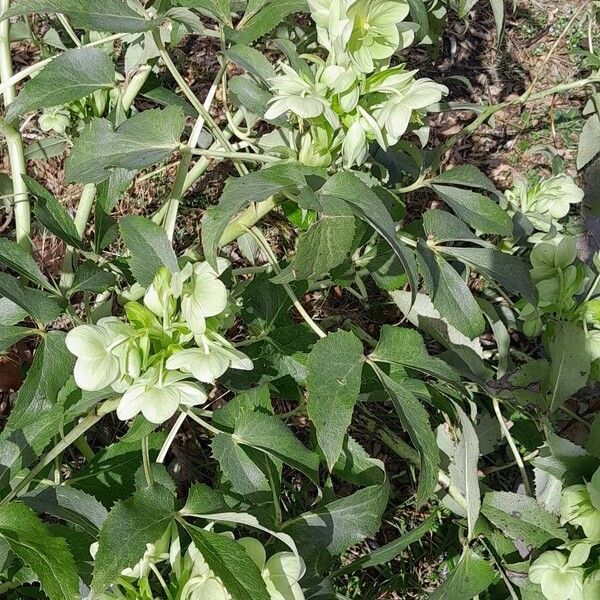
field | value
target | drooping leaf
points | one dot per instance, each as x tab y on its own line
415	421
149	246
15	257
231	563
522	518
471	576
69	77
89	277
51	214
468	176
589	142
356	466
11	334
476	209
333	392
92	15
442	226
141	519
463	468
48	556
251	60
148	137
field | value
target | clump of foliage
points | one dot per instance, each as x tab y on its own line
327	124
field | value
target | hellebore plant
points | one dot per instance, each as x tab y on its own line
151	356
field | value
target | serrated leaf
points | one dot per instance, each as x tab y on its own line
15	257
333	392
47	555
415	421
471	576
51	214
92	15
146	138
442	226
219	10
69	77
589	142
449	293
141	519
240	192
325	533
463	469
44	149
466	176
231	563
251	60
368	206
38	304
569	365
476	209
356	466
89	277
509	271
11	334
149	246
522	518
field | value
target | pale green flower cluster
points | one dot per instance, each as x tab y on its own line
562	576
545	202
190	577
353	97
557	279
154	355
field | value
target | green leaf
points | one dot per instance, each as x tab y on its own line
589	142
11	334
450	294
240	192
89	277
521	517
69	77
569	361
141	519
11	313
19	260
219	10
92	15
356	466
325	533
69	504
38	304
251	60
266	19
149	246
269	434
146	138
333	392
52	215
415	421
476	209
463	468
509	271
406	347
442	226
471	576
466	176
323	247
368	206
388	552
45	149
47	555
231	563
499	18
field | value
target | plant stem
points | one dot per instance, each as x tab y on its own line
134	86
146	462
513	447
170	438
177	192
67	27
190	413
82	216
243	156
77	431
248	218
14	143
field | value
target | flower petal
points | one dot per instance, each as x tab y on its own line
131	402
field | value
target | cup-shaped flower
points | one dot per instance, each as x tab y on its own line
375	35
55	119
100	351
334	27
577	508
209	361
546	257
159	296
204	295
158	394
555	196
281	572
557	579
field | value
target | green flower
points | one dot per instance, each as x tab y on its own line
55	119
555	196
375	35
159	296
281	572
158	394
557	579
577	508
103	354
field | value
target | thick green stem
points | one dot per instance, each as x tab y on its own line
134	86
177	192
81	219
248	218
14	143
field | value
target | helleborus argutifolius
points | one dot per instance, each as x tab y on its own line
557	579
577	508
